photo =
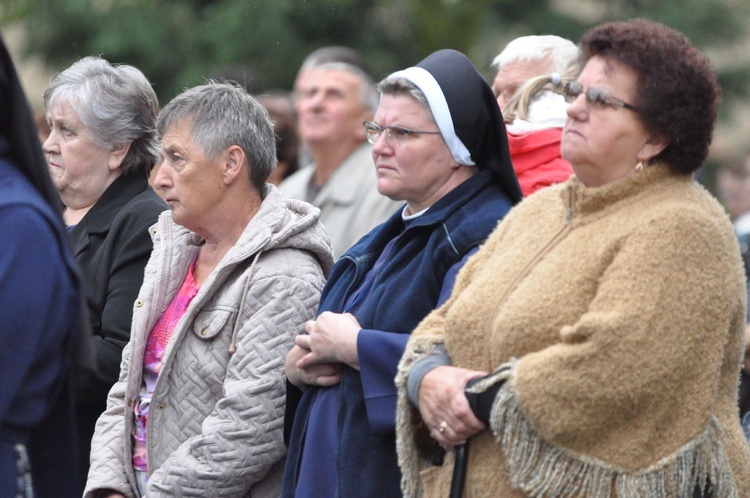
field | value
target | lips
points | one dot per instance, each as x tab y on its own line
314	118
573	132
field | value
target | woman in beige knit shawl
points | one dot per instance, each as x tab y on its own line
609	309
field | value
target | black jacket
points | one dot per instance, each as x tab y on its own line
111	245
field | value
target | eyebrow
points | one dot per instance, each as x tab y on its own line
170	149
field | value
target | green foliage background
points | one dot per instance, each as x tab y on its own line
177	43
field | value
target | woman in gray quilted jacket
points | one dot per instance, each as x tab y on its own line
235	272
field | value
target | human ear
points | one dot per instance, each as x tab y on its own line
117	155
234	162
652	148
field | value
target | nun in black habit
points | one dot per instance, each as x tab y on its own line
439	145
40	312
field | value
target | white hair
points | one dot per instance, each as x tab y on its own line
534	48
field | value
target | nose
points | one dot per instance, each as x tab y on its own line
381	146
315	100
50	145
501	102
308	103
162	181
578	108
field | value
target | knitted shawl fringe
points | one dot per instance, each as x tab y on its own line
543	470
408	458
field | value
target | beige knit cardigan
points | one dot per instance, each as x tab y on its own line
621	312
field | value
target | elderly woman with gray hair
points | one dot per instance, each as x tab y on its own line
236	270
101	148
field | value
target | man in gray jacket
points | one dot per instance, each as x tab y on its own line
235	272
332	103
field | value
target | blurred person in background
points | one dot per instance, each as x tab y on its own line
534	119
101	148
40	312
733	184
328	55
281	111
527	57
592	346
319	57
236	271
332	102
438	144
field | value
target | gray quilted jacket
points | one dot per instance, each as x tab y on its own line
216	419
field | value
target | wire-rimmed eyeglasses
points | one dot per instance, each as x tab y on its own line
393	134
597	96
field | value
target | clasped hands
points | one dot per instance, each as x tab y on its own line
318	357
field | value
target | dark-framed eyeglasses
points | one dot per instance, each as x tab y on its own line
393	134
596	96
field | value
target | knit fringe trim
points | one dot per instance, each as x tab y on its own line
542	469
408	457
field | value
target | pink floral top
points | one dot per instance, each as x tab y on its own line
152	363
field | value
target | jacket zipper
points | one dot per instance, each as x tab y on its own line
159	293
527	269
152	319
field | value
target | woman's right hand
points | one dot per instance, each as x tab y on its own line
443	403
313	373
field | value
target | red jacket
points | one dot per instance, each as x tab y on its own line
536	159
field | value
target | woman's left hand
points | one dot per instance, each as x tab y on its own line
444	407
332	338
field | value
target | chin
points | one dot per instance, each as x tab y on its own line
386	189
315	134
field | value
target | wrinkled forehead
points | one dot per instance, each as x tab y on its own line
333	78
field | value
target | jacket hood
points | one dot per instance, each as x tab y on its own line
286	223
279	223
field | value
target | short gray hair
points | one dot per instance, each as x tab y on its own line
222	115
115	102
404	88
534	48
336	53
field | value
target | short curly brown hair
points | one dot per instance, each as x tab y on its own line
677	89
